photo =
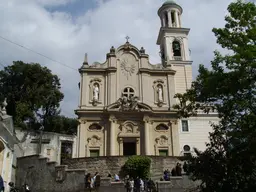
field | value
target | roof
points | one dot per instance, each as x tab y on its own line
170	2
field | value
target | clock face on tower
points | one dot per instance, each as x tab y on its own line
127	67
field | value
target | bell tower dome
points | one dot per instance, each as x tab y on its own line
172	38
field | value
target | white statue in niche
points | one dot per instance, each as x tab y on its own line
160	93
95	92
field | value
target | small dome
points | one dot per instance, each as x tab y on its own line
170	2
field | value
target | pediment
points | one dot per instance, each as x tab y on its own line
129	105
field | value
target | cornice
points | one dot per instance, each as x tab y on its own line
157	71
171	30
109	69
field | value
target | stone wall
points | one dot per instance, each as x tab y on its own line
112	165
45	176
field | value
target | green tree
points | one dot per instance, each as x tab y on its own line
229	88
61	124
137	166
33	93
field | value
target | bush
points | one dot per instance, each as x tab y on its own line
137	166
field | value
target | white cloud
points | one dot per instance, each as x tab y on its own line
65	38
53	2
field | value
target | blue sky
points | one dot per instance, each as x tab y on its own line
65	30
75	8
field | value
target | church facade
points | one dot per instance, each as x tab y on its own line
126	103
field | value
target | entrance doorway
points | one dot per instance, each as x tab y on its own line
129	148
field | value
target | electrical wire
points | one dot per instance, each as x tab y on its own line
42	55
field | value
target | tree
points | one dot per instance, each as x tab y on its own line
61	124
33	93
229	88
137	166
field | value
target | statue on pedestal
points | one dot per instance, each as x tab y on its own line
160	93
96	92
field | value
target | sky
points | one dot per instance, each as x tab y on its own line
64	30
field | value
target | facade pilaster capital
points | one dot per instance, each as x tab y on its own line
173	121
112	119
121	140
81	121
146	119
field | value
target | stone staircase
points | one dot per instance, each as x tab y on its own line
112	165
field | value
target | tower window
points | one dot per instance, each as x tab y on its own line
128	92
176	49
173	19
166	19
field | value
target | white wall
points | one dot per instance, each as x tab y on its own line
198	134
54	146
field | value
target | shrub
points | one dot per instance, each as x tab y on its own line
137	166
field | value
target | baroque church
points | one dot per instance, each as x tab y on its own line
126	103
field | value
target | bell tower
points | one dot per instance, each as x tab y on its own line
172	38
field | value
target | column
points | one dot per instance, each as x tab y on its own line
121	147
170	19
146	136
179	20
164	21
176	19
112	136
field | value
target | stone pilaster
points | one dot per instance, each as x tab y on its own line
112	138
146	135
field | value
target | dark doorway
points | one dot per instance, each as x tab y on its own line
129	148
66	150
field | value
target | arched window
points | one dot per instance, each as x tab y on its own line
95	127
186	150
166	19
162	127
173	19
176	49
128	92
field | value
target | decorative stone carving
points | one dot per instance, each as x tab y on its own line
112	50
127	67
162	140
142	50
128	104
159	92
95	91
4	105
94	141
95	127
129	128
162	128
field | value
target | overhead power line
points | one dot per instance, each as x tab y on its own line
17	44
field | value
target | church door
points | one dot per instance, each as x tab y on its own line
129	148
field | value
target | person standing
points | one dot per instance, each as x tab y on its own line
1	184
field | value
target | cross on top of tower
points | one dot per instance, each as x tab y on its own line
127	39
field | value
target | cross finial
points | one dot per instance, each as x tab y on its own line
127	39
